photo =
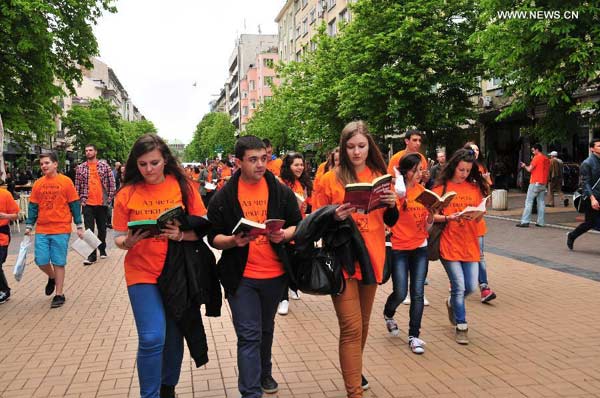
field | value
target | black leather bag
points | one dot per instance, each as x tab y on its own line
433	242
387	267
319	273
580	201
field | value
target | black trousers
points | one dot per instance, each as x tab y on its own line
3	282
592	219
96	215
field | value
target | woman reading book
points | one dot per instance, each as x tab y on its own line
459	243
360	161
294	175
153	183
409	252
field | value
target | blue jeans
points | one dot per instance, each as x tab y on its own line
405	263
534	191
463	281
253	309
482	266
160	349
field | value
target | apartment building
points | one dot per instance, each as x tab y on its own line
298	22
256	85
247	48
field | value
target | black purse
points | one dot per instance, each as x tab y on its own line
433	241
387	266
318	273
582	202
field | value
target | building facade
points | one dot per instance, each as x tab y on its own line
256	85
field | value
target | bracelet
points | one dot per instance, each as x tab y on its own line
180	237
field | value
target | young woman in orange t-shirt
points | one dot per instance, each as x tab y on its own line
360	161
294	175
333	159
153	183
487	294
459	243
409	252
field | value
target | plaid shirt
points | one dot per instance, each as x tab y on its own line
106	178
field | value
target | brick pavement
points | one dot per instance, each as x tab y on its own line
538	339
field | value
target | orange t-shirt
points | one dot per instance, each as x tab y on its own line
297	188
53	195
459	241
274	166
410	231
540	168
395	161
263	262
94	185
318	175
371	226
144	261
481	225
8	205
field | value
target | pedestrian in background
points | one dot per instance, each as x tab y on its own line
555	181
537	186
590	178
154	182
9	211
459	242
360	161
53	206
437	168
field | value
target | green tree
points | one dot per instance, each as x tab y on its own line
214	132
43	42
130	131
96	123
549	61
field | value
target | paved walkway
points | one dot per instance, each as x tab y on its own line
538	339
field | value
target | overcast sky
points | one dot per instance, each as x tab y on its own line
159	49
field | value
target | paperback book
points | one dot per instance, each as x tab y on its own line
253	228
154	226
434	202
473	212
365	196
86	245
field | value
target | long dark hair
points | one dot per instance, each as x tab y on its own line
345	172
290	178
475	177
331	159
147	143
478	160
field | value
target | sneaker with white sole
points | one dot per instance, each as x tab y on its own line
462	336
392	326
284	307
364	383
295	295
416	345
425	301
451	316
406	300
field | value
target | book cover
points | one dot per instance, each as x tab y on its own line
253	228
433	201
176	213
86	245
366	197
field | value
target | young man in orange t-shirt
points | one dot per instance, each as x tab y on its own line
413	140
253	271
9	211
95	185
273	165
52	205
539	168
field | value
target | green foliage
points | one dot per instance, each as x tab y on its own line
100	124
43	42
215	132
543	61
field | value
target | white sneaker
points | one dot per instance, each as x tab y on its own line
284	307
425	301
294	295
391	326
416	345
406	300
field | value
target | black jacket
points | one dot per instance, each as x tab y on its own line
188	280
590	173
224	212
341	236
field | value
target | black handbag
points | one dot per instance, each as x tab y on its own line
319	273
582	202
387	266
433	242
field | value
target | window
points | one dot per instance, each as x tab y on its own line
344	15
251	85
252	104
494	83
332	28
245	111
297	31
304	3
331	4
268	63
313	46
313	15
268	81
305	26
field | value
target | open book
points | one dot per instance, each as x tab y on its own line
155	226
435	202
253	228
366	196
86	245
473	212
300	199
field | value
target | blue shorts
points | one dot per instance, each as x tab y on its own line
51	248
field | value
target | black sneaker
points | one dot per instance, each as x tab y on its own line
57	301
523	225
269	385
90	260
364	383
103	254
570	241
50	286
167	391
4	296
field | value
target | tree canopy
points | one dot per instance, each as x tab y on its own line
215	133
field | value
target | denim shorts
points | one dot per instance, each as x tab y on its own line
51	248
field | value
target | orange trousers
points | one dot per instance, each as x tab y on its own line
353	309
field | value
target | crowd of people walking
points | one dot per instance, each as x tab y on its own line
170	270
